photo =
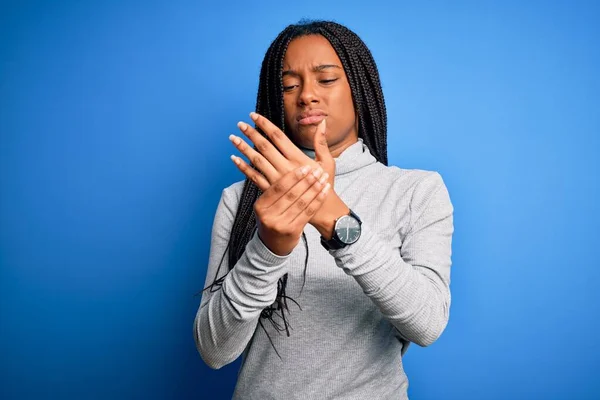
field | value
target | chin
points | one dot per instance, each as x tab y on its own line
303	137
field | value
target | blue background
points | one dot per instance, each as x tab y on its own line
114	119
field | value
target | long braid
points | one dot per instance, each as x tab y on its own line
369	104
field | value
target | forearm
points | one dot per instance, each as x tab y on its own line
227	318
413	297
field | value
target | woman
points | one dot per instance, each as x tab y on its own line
362	249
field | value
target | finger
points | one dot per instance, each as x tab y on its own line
279	188
313	198
252	174
277	137
264	147
322	153
257	159
296	198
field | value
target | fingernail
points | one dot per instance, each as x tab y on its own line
326	188
323	123
235	159
234	139
302	171
324	178
254	116
242	126
317	172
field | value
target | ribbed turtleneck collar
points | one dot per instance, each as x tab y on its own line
354	157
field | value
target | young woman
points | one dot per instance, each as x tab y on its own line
323	241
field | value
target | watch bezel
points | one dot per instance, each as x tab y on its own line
335	243
338	222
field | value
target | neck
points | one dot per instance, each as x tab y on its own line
335	149
338	148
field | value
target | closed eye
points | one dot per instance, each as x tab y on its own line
322	81
329	81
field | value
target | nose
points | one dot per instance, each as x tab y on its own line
308	94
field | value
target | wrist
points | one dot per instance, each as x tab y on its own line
325	222
276	244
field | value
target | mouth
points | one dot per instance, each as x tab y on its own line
311	117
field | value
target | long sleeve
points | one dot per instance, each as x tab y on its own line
411	287
228	316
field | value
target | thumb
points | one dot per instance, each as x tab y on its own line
322	154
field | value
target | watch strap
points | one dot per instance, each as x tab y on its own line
332	244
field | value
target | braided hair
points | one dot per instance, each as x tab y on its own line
369	105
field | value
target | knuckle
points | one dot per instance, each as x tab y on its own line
256	160
262	147
277	187
254	178
310	211
301	203
291	195
275	133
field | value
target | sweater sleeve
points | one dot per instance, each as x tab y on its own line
411	287
228	316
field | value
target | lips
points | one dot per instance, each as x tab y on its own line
311	117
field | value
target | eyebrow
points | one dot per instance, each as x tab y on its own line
318	68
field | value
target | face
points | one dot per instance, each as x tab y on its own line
315	86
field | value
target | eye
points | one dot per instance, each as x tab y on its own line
328	81
288	88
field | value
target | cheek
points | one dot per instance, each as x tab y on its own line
288	110
344	107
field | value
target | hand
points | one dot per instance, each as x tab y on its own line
285	208
280	155
272	159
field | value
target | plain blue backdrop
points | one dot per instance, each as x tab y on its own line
114	118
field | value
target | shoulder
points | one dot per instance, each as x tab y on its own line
421	188
417	182
230	198
424	183
232	194
426	190
234	191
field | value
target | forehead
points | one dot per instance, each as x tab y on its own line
309	51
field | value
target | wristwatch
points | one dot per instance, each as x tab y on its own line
345	232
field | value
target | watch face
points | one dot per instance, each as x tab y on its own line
347	229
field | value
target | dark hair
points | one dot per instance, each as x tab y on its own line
369	105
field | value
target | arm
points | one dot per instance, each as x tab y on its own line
227	317
410	287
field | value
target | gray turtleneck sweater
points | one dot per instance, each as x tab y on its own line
361	305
